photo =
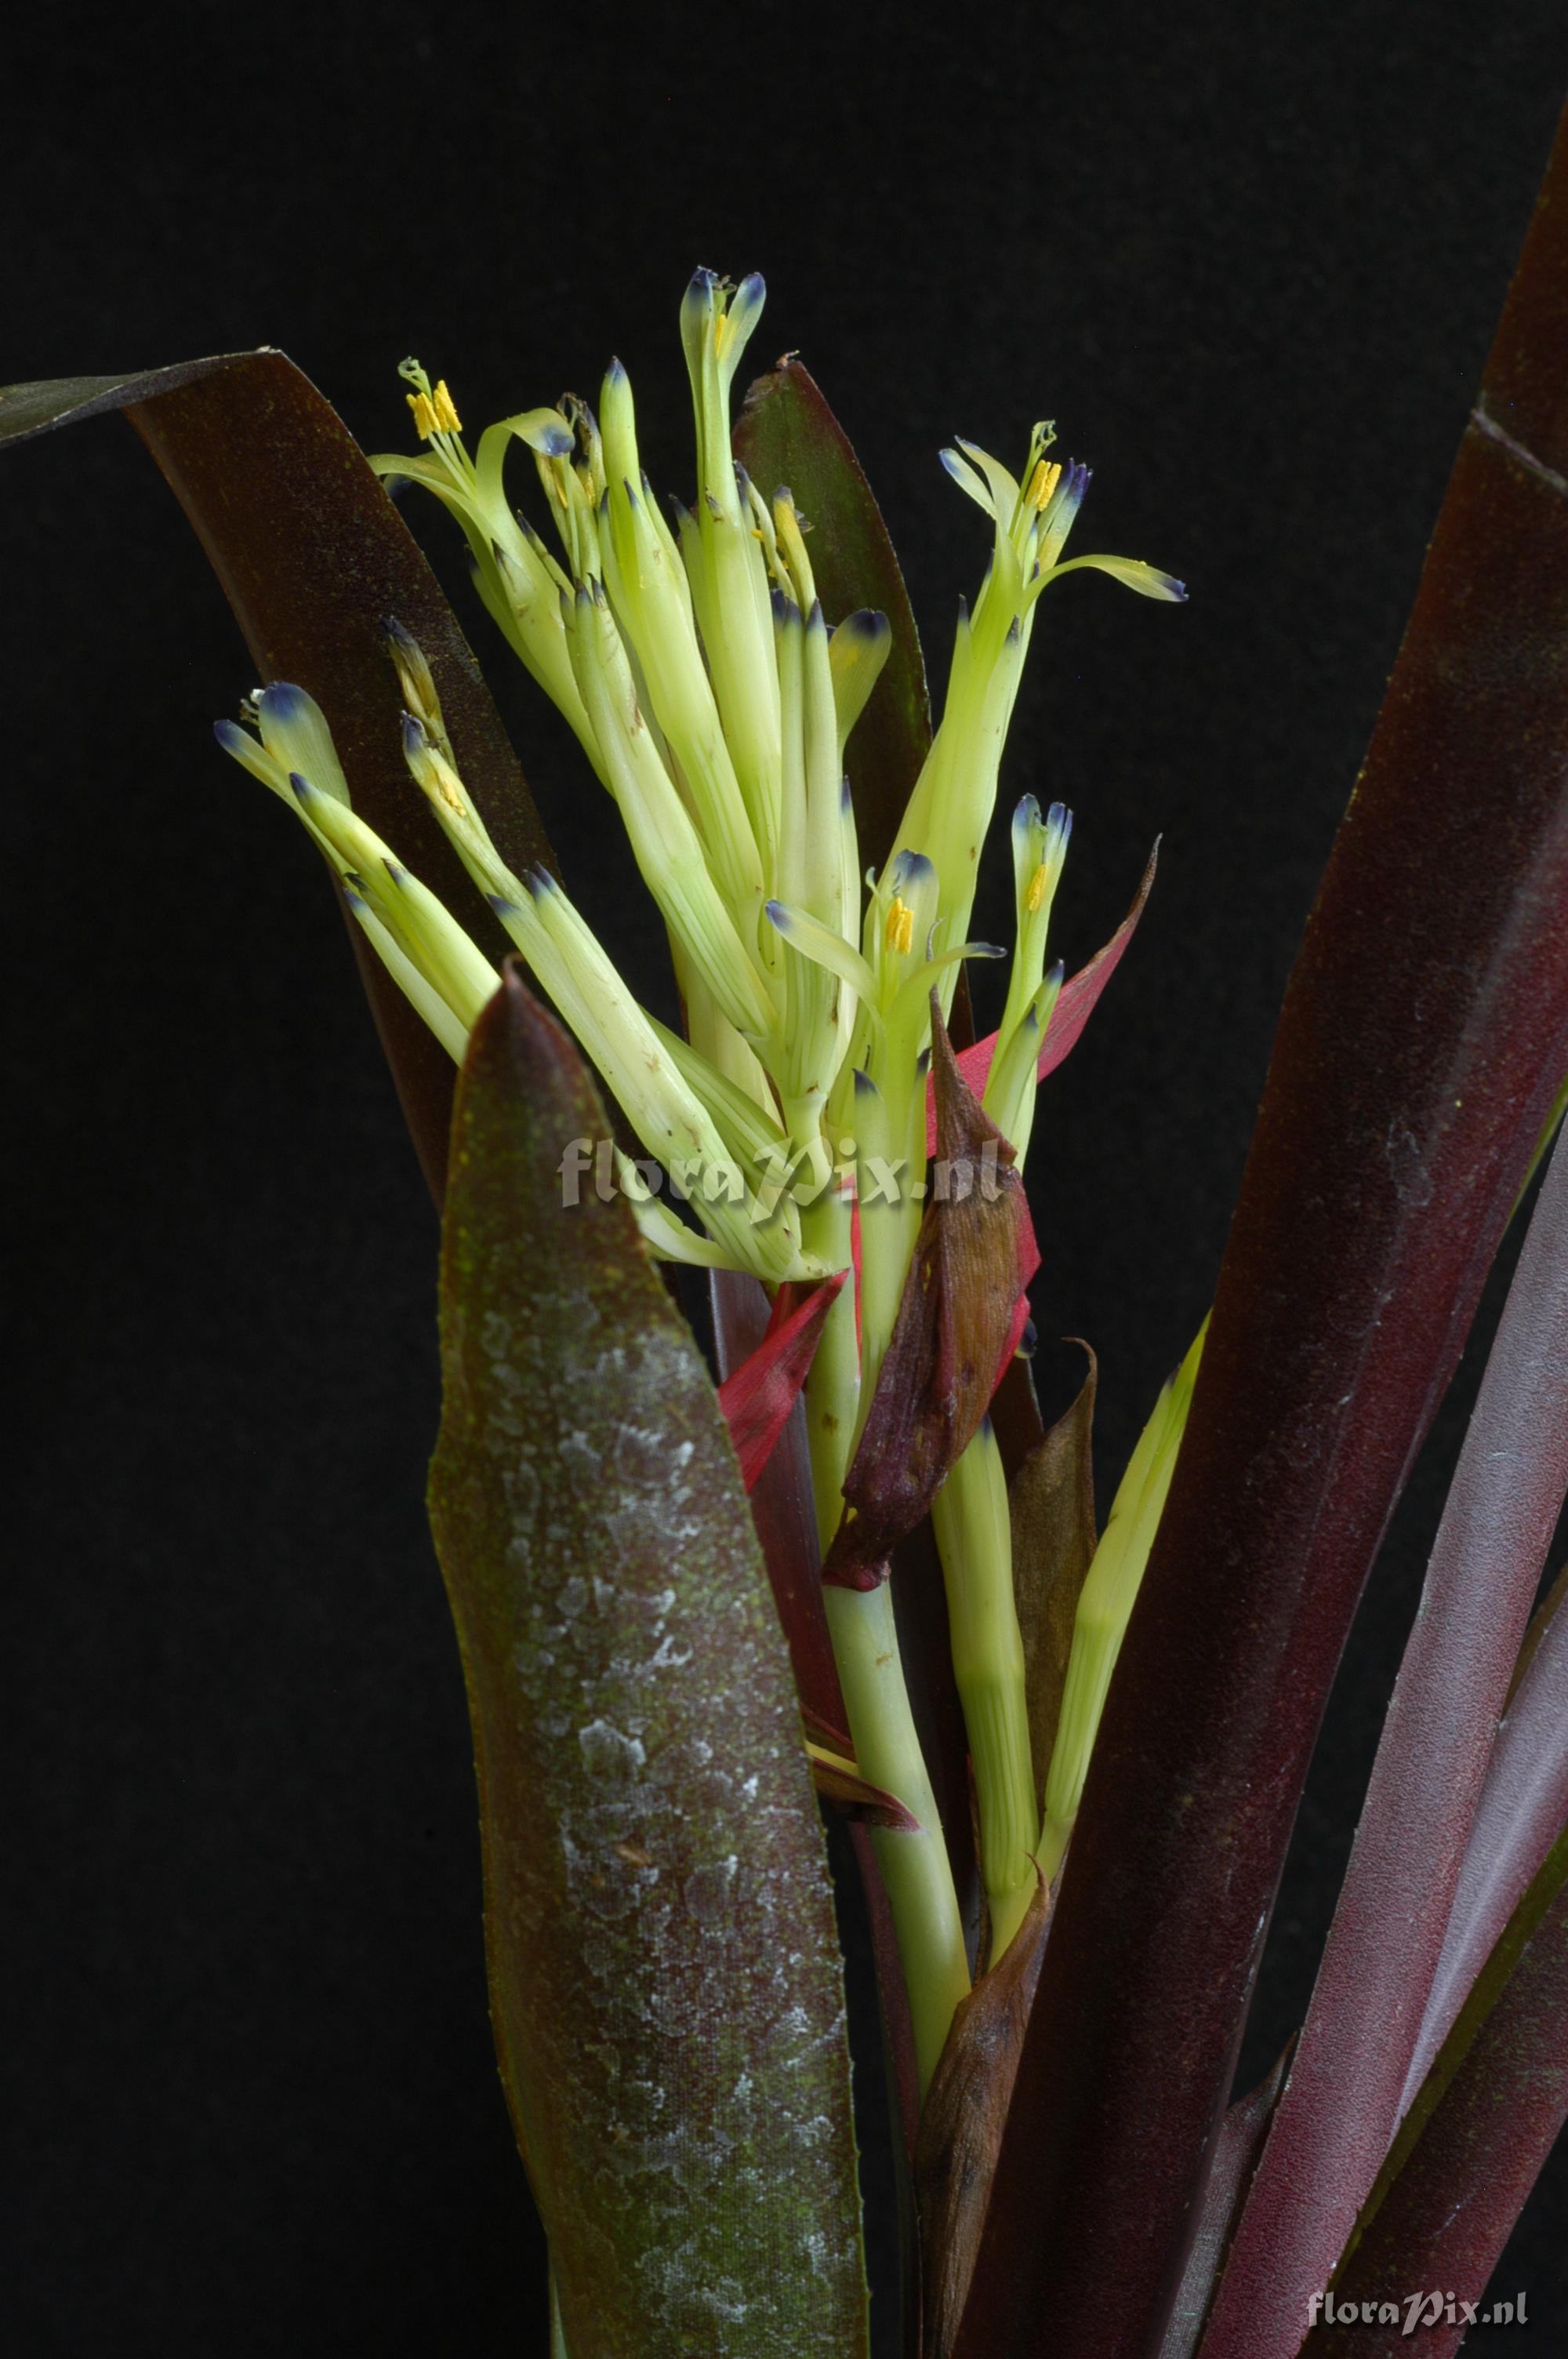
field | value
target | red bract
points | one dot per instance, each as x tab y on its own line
757	1399
1075	1004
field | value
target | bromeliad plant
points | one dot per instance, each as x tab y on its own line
679	1607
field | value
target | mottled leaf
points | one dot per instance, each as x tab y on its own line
1332	2127
787	434
312	556
960	2130
666	1985
1051	1502
975	1252
1423	1036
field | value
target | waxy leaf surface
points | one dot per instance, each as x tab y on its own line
664	1977
1423	1036
312	556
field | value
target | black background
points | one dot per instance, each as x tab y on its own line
1251	260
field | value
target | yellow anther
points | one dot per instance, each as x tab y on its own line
899	935
424	414
445	408
1043	481
1036	893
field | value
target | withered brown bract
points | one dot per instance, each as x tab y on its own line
960	2130
974	1256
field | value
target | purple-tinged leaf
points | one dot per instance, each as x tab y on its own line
1236	2153
787	434
1541	1622
960	2130
1472	2147
1075	1002
312	556
1333	2126
1522	1810
1423	1036
665	1977
1051	1502
756	1398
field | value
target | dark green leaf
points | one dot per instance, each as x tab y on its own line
787	434
665	1978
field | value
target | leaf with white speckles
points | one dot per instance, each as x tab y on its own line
666	1983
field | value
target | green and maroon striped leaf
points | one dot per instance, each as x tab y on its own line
1423	1038
312	555
787	434
666	1984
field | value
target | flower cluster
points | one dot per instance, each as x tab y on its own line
713	698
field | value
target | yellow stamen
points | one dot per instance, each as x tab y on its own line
1043	481
424	414
1036	893
445	411
899	933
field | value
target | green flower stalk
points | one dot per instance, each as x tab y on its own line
713	697
970	1516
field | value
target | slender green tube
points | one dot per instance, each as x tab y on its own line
970	1514
833	1382
915	1866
